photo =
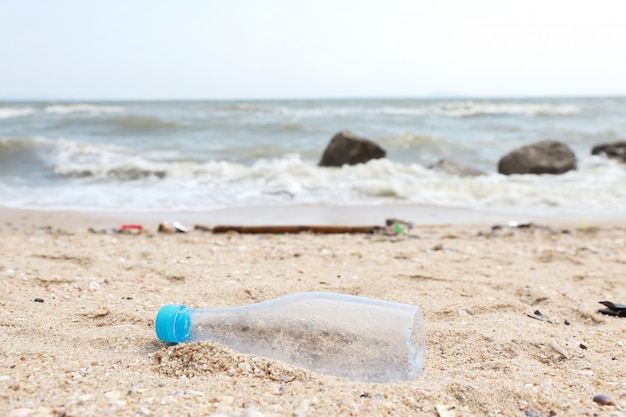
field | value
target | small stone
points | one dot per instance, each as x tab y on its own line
250	412
20	412
28	412
142	411
113	395
244	367
444	410
603	399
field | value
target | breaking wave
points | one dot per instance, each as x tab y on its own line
473	109
82	108
11	112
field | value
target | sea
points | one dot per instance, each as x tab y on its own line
198	156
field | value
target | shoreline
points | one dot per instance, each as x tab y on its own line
290	215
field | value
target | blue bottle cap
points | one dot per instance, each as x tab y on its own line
172	323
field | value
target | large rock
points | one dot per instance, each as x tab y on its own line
545	157
347	148
456	168
615	150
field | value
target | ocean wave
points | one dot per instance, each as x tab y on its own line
256	107
141	123
474	109
102	163
452	109
9	145
82	108
126	170
11	112
250	108
384	181
114	178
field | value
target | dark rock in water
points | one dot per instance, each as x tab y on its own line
456	168
347	148
615	150
545	157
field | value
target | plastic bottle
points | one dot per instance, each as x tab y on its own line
353	337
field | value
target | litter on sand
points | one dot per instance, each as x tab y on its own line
613	309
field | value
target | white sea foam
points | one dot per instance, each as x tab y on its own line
222	184
453	109
194	185
472	108
11	112
82	108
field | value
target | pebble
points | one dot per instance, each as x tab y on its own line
29	412
249	412
603	399
245	367
113	395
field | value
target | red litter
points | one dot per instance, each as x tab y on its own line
131	227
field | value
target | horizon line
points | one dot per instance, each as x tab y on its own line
451	96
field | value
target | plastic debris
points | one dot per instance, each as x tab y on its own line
174	227
131	227
353	337
613	309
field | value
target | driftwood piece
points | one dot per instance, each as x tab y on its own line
289	229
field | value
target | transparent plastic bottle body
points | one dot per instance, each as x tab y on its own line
353	337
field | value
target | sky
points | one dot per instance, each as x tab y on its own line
275	49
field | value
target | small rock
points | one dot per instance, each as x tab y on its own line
20	412
28	412
113	395
444	410
615	150
603	399
245	367
250	412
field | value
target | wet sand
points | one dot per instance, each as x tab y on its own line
510	312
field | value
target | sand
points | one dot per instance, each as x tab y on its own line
510	313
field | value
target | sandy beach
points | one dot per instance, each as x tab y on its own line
511	317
